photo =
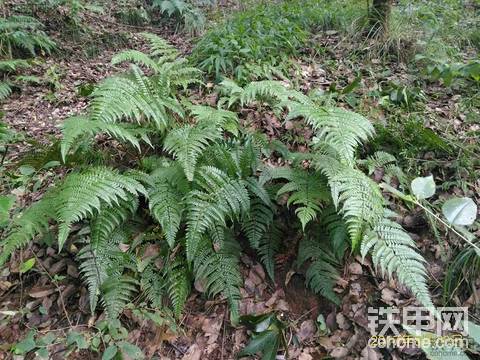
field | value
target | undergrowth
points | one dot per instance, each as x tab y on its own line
203	184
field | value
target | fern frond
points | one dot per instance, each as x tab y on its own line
160	47
135	57
13	65
360	197
211	117
133	97
178	286
77	126
5	90
101	258
82	194
394	251
117	292
268	247
166	206
308	191
257	222
217	198
30	223
220	273
187	143
269	90
322	272
340	129
153	284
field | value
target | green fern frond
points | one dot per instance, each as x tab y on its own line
160	47
13	65
117	292
257	222
387	162
166	206
23	32
178	287
177	74
103	226
133	97
322	272
30	223
342	130
268	247
216	198
5	90
211	117
187	143
153	284
220	273
135	57
272	90
101	256
308	191
82	194
361	200
77	126
333	224
394	251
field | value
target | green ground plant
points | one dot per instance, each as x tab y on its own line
204	186
256	43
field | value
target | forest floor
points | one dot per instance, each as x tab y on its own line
55	299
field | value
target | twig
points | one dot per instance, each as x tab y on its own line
58	289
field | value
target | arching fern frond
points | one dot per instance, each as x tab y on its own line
101	257
166	206
5	90
75	127
220	273
268	247
160	47
178	285
209	116
135	57
257	222
394	251
30	223
322	272
342	130
215	199
361	200
132	97
272	90
187	143
82	194
116	293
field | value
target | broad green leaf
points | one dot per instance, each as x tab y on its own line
47	339
26	345
26	170
460	211
109	352
74	337
423	187
6	203
266	342
27	265
131	350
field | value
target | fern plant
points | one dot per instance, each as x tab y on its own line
159	222
192	17
23	34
